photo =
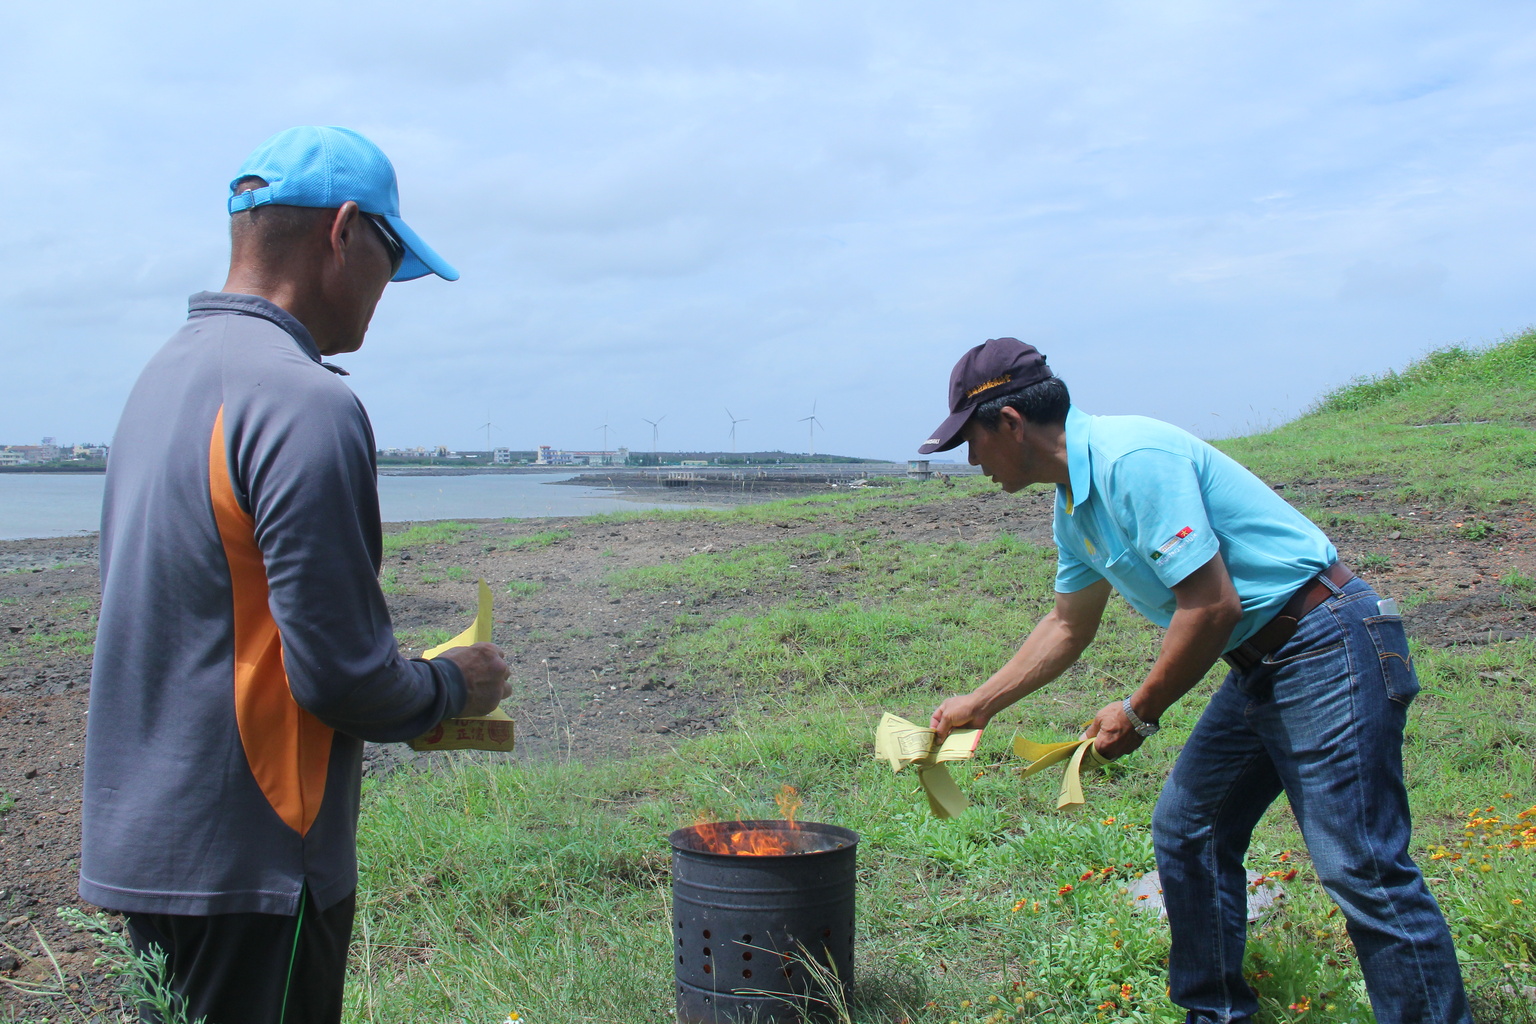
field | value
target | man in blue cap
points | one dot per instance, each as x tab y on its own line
1314	705
244	650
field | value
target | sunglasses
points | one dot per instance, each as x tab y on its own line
394	246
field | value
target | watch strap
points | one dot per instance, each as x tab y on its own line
1143	729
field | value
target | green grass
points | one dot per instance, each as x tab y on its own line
70	643
420	640
1520	589
542	887
1456	427
389	581
445	532
522	588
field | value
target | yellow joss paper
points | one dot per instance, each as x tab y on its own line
1075	752
487	732
479	631
903	743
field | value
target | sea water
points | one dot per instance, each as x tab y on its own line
69	504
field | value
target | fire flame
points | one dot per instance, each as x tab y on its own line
788	800
727	837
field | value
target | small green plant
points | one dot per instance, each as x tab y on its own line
1477	529
456	573
1374	561
522	588
145	979
389	581
7	801
432	574
1521	589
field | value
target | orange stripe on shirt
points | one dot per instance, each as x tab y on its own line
288	748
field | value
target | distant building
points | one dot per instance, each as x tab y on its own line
501	457
11	457
31	453
552	456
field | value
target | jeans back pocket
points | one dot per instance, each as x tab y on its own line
1391	644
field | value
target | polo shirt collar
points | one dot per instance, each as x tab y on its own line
214	303
1079	426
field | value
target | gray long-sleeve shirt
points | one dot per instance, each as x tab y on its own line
244	650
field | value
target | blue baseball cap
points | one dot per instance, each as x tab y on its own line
326	167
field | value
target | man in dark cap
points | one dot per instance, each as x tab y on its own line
245	651
1314	704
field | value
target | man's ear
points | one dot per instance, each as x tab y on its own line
1011	420
344	229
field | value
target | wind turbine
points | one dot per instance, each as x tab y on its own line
604	429
655	430
488	425
814	422
734	421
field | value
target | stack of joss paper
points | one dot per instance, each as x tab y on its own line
902	743
484	732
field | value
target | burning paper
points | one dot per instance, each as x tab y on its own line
902	743
1074	752
486	732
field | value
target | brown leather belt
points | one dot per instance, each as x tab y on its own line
1274	633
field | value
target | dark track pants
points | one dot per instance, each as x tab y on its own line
254	968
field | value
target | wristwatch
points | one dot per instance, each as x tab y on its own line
1145	730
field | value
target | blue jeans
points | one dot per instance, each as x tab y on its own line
1322	719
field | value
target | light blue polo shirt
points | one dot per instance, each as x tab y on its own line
1149	504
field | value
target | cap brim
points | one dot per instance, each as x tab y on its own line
420	258
947	434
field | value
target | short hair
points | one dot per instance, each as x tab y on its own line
1043	403
271	228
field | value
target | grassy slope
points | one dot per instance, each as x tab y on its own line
543	889
1458	427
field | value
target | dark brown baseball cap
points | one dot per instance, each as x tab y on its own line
995	367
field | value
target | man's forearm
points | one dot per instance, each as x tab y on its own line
1049	650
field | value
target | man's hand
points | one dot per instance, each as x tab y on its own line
485	677
965	712
1112	733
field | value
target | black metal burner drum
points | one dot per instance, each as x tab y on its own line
746	924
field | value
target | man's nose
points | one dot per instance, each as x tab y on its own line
970	455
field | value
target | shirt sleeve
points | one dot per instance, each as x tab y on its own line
1072	573
306	465
1157	500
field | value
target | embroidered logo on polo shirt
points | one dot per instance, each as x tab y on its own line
1173	542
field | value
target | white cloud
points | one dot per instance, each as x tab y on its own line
1203	212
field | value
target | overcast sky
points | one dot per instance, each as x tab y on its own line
1205	212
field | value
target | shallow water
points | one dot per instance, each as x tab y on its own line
69	504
